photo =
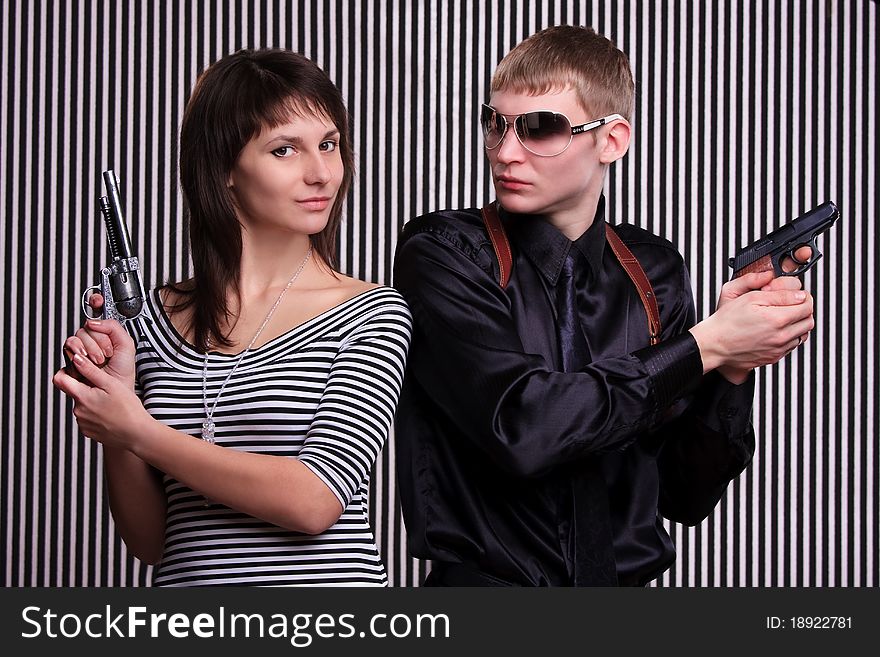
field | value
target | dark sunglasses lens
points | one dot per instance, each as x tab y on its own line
493	125
544	133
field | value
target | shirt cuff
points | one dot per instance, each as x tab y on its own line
674	367
724	406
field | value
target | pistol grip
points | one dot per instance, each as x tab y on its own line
762	264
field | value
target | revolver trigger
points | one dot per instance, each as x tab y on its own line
88	311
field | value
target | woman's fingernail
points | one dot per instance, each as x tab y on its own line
94	322
800	295
78	359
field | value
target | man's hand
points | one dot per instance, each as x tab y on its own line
758	321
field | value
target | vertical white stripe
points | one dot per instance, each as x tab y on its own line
366	219
871	308
483	85
405	46
780	371
65	295
7	472
434	107
855	25
764	378
849	421
442	103
820	442
255	21
812	378
836	392
18	383
42	457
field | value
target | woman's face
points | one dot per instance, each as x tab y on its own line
287	177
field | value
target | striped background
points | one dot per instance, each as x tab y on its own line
747	114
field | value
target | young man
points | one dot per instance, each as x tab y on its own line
540	436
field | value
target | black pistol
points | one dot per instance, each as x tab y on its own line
120	284
769	251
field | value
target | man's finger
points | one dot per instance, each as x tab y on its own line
783	297
748	282
784	283
803	254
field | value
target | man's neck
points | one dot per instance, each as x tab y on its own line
575	221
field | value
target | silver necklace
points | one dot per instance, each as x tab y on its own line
208	425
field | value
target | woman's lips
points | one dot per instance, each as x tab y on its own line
316	203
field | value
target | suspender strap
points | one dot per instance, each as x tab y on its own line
628	261
499	242
640	280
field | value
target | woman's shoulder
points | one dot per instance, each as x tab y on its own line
366	296
350	287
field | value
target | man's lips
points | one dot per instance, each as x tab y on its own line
511	183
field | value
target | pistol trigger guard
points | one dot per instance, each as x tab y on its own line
814	249
777	266
84	302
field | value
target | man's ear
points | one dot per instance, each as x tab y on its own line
616	141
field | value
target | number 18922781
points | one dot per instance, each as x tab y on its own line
809	623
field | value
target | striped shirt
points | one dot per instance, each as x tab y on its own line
324	392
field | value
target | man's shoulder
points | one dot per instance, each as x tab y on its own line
641	240
462	229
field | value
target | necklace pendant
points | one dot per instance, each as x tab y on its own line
208	430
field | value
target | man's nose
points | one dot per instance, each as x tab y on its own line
510	149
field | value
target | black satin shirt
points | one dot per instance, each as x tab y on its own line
489	429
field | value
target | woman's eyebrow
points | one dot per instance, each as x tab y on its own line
296	140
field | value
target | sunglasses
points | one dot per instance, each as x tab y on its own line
542	133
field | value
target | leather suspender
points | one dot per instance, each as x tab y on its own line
627	260
499	242
639	279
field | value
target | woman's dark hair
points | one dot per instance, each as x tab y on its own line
233	100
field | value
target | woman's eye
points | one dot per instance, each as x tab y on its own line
329	145
283	151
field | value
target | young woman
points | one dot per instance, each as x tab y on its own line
240	432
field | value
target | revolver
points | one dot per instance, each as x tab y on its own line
769	251
120	280
121	287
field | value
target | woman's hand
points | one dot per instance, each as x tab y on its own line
107	411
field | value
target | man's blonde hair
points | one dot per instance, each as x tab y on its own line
573	57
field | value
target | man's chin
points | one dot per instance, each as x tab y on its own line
518	204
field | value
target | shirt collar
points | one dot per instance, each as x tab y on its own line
547	247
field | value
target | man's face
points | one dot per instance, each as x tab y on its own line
563	186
